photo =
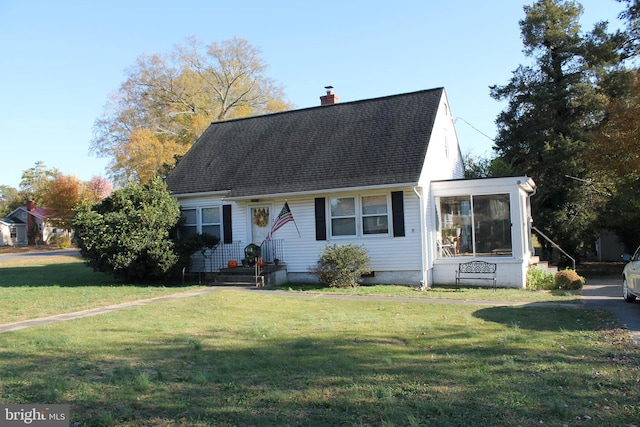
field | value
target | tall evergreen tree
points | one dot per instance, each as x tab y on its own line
552	104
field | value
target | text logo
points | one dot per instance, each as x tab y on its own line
34	415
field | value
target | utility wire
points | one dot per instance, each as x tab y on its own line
474	128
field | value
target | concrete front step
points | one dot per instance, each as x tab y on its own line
544	265
240	276
237	280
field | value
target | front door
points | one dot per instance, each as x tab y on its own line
260	223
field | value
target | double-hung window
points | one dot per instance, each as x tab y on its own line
375	215
203	220
211	221
359	216
189	225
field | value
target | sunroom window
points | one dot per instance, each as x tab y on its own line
474	225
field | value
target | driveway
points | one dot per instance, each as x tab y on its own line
606	294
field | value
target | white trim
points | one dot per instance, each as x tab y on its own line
321	192
200	194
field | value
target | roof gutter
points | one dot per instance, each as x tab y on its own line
200	194
320	191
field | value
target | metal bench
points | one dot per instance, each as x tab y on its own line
476	270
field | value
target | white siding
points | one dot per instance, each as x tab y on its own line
393	259
387	253
5	235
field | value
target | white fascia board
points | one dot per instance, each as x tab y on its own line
481	185
220	194
326	191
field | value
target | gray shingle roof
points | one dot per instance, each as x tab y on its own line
380	141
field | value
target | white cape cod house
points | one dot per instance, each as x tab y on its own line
385	173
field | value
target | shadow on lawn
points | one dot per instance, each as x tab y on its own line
534	317
271	380
63	275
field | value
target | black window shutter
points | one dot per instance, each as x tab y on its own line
226	224
321	219
397	212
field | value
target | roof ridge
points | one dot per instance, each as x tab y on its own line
338	104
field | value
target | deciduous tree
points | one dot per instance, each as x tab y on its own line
62	197
97	189
35	182
167	101
9	200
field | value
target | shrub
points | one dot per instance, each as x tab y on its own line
539	279
192	244
127	233
61	242
340	266
568	279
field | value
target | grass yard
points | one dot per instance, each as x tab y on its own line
242	358
41	286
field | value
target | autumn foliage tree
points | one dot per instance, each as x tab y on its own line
97	189
63	195
167	101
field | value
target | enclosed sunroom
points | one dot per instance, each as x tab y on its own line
482	219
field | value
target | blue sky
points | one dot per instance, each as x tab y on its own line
60	60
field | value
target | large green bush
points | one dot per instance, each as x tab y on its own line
127	234
341	266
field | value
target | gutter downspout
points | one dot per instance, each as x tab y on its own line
423	253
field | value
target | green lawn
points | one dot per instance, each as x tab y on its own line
47	285
237	357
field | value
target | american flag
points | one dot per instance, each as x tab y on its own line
284	217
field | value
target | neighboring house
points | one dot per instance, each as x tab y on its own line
385	173
26	225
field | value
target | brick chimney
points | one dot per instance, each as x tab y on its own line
31	205
330	98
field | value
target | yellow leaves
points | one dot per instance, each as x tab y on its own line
63	194
146	154
169	100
